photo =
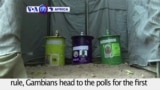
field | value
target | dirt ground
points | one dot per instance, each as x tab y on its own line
90	70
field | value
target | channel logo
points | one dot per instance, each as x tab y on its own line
43	9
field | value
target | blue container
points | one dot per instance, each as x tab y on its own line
81	49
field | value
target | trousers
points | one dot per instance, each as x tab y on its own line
11	66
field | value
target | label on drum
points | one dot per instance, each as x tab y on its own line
54	42
80	48
107	41
80	53
111	50
52	59
107	50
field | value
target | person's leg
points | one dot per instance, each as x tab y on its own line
11	62
11	66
